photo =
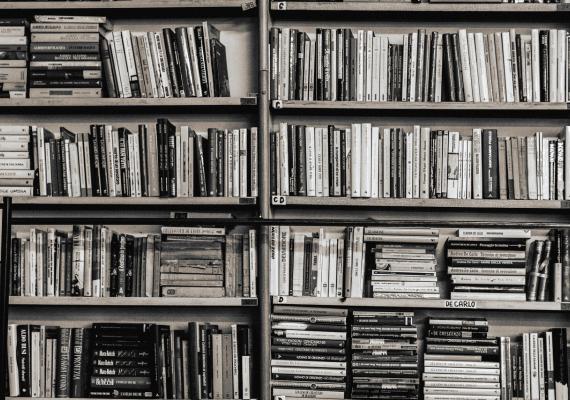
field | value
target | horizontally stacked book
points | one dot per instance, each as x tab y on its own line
121	360
372	262
13	58
366	161
461	359
384	355
95	261
113	161
423	66
65	60
308	352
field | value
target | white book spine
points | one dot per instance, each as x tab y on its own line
386	161
561	55
42	161
368	72
236	162
424	162
413	67
376	68
374	167
365	160
406	66
508	67
311	170
337	163
356	165
531	167
481	67
477	164
360	65
553	64
333	255
274	260
475	90
326	155
409	167
298	252
283	157
465	66
357	260
13	371
121	63
535	65
439	69
567	162
284	235
318	161
324	266
383	68
333	64
243	170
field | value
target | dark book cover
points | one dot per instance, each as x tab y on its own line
319	86
393	163
64	360
171	156
343	162
136	267
68	264
79	359
199	35
172	62
274	58
300	72
433	66
108	70
292	62
54	163
162	157
292	159
326	62
201	147
544	59
124	162
490	164
24	359
448	69
121	266
143	151
194	361
94	152
273	161
301	154
187	84
96	254
103	160
457	68
521	80
347	70
221	161
220	69
63	166
129	264
390	75
212	162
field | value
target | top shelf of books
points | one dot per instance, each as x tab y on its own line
127	4
408	7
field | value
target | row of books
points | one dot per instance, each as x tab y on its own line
341	64
405	263
160	160
370	162
95	261
460	358
13	58
65	58
180	62
116	360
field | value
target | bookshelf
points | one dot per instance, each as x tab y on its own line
246	25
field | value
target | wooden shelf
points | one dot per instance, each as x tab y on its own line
132	301
422	303
134	201
125	4
400	7
123	103
417	203
406	105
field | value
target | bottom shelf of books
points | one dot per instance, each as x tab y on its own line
338	353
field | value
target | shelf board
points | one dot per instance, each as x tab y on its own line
134	201
125	4
400	7
416	203
407	105
422	303
197	102
132	301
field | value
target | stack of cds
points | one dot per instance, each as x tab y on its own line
308	352
487	268
65	57
460	358
13	58
404	263
384	355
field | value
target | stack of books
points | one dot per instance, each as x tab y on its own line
461	358
124	360
384	355
148	161
65	58
13	58
207	262
308	352
184	62
95	261
16	176
487	268
366	161
404	262
422	66
535	365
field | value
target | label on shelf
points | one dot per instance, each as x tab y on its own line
277	104
279	200
282	299
248	101
281	5
246	200
249	302
460	304
248	5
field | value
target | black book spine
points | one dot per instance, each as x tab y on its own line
53	168
393	163
64	361
520	78
220	157
63	164
169	41
448	68
212	164
143	151
490	164
292	159
171	166
457	68
124	163
199	33
204	361
129	265
318	65
301	160
331	160
79	357
433	66
300	66
326	60
34	162
110	88
103	160
68	265
15	286
544	66
185	75
23	353
274	54
339	79
59	166
347	36
343	162
390	71
292	62
432	160
273	162
200	156
400	167
160	135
